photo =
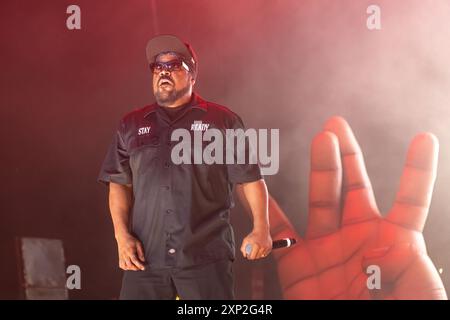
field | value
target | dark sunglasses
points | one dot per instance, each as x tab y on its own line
174	65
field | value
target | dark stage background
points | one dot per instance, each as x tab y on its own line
279	64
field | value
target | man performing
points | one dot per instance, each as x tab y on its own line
171	221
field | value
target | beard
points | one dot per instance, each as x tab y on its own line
165	98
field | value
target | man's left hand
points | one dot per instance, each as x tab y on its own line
261	244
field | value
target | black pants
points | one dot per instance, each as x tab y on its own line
212	281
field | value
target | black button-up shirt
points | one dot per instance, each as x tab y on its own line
180	211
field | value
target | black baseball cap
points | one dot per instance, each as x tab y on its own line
170	43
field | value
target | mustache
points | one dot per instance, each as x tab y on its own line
167	78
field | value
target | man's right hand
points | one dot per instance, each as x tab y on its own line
131	252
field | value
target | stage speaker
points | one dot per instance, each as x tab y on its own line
42	269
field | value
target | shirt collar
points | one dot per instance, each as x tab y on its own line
197	103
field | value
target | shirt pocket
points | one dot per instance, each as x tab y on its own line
140	143
144	153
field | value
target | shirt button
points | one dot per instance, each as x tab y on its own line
172	251
166	187
166	165
169	210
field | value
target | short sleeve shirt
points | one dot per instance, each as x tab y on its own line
180	212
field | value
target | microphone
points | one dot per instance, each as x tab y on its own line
276	244
283	243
